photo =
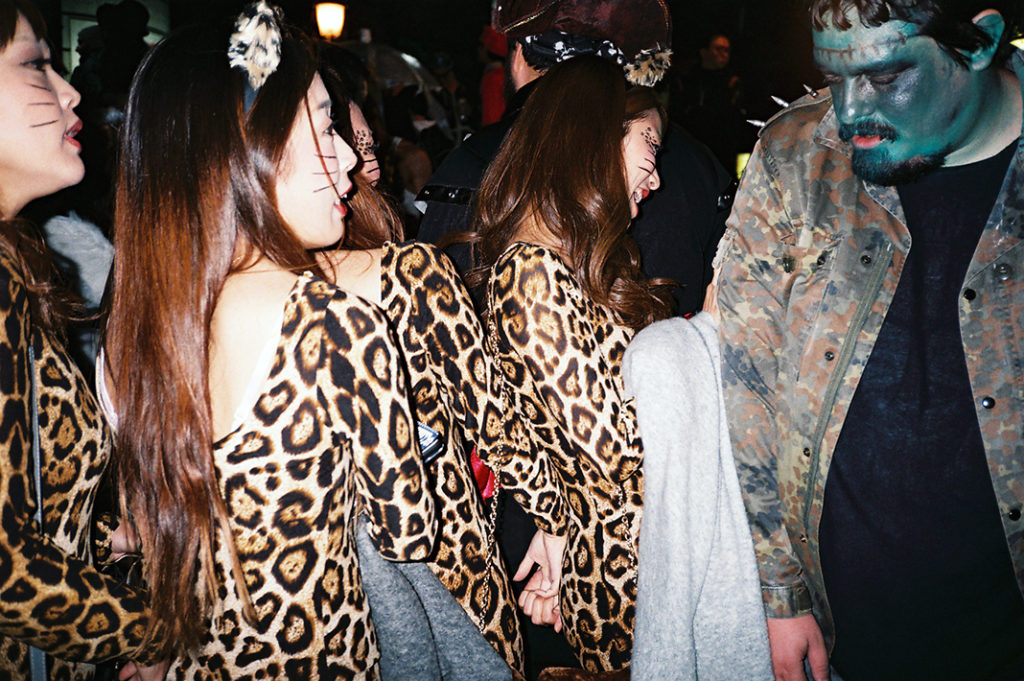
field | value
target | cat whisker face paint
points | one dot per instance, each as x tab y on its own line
39	154
640	149
313	180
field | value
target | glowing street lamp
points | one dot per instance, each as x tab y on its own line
330	19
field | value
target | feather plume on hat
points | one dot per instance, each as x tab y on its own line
255	46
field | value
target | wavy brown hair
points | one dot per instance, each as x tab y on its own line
561	165
51	304
197	172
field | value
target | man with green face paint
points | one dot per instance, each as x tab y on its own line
871	303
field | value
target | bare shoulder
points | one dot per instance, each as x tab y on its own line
354	271
248	299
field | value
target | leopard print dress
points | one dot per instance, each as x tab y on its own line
329	436
50	595
563	354
457	393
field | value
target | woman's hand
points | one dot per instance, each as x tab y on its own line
540	609
124	540
545	551
133	672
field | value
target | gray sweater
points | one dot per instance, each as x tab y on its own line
699	610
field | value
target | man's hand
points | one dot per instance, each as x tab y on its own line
792	639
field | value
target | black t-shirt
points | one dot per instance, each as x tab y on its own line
915	561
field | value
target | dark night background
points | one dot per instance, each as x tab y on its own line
770	38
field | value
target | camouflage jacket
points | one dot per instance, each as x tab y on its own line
809	264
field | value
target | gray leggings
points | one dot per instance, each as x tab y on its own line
423	632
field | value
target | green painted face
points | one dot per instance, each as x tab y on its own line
902	102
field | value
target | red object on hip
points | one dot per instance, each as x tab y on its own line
483	475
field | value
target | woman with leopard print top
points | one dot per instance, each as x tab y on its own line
456	398
53	598
261	408
565	295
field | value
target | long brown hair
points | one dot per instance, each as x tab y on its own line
51	304
197	171
561	165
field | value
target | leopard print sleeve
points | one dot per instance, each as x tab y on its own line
439	320
530	331
53	598
363	361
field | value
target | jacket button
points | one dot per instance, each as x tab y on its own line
803	538
1014	514
988	402
807	451
866	259
787	264
829	355
970	294
821	259
1004	271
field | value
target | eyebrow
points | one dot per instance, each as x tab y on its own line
878	69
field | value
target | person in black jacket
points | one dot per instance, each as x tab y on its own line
679	226
677	230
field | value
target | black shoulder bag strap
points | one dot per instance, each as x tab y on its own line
37	658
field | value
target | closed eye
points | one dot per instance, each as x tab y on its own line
38	64
887	79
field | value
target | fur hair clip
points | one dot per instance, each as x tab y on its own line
256	43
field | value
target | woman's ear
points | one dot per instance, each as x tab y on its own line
992	23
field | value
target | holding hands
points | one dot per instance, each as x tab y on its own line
539	600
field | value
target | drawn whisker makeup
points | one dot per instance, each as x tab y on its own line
42	104
39	125
40	87
652	141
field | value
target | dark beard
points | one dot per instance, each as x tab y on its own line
889	174
883	171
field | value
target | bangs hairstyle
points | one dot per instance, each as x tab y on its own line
51	303
561	165
9	11
196	172
948	22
